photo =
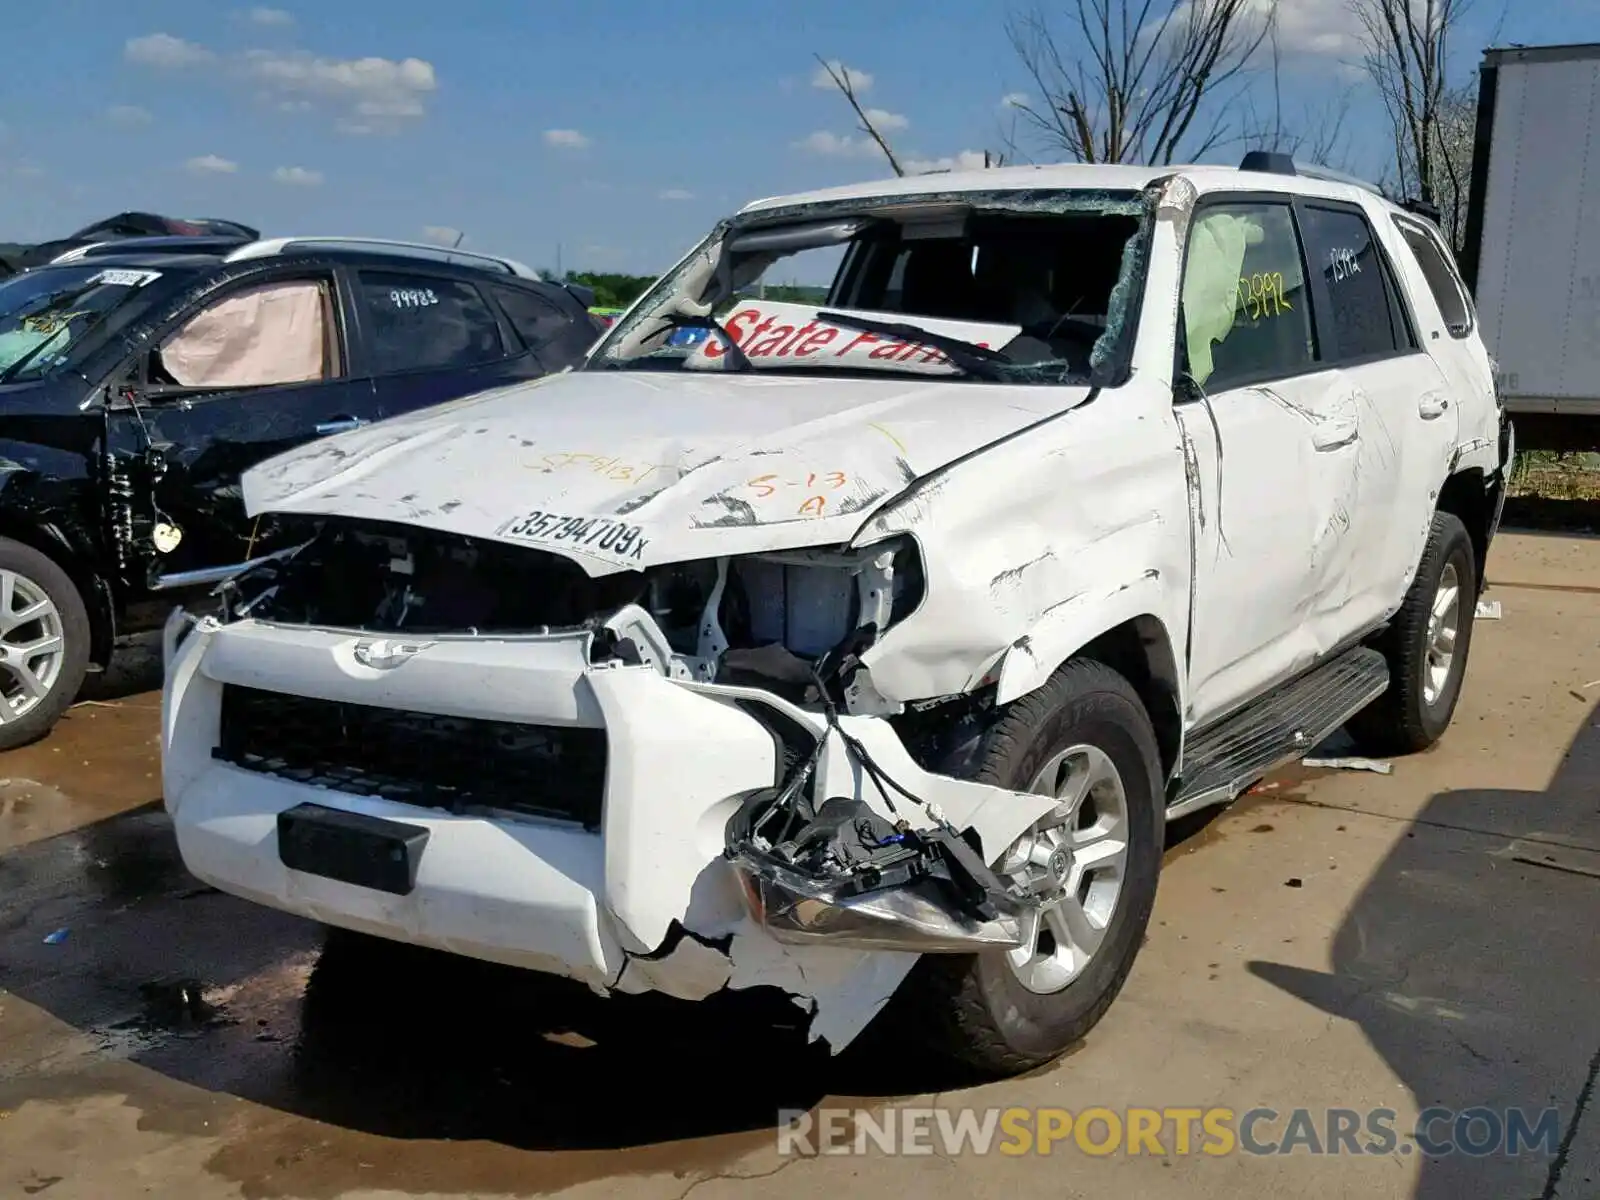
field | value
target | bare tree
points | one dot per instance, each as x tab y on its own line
841	79
1130	82
1407	45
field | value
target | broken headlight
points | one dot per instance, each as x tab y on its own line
765	619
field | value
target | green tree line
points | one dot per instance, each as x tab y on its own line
611	289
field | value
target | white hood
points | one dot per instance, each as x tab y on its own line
627	469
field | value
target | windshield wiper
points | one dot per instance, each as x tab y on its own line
972	358
52	301
684	321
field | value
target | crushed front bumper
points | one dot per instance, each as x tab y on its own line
642	899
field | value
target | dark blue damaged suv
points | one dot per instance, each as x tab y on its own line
140	377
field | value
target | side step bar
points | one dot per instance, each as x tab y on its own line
1282	727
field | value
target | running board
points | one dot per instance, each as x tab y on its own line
1281	728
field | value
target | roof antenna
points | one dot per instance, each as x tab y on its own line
459	235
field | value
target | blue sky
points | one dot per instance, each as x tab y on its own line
616	130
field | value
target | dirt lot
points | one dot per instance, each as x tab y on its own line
1335	940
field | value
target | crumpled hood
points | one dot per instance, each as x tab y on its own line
626	469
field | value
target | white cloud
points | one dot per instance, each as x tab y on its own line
1317	27
566	139
675	194
967	160
270	17
1314	27
371	95
366	95
883	120
28	171
163	51
442	234
1013	99
859	81
837	146
297	177
129	116
211	164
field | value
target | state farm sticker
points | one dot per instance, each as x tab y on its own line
774	334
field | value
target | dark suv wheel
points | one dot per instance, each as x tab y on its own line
44	643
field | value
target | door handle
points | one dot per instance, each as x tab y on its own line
341	424
1432	407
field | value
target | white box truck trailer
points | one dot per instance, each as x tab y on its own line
1532	253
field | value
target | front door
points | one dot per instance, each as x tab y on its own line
257	368
1270	430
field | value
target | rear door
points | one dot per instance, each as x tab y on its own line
431	338
256	367
1406	408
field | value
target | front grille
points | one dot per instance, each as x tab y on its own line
452	763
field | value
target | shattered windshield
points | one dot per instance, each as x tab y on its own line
45	313
1005	286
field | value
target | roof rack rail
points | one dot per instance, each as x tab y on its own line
1274	163
155	244
75	253
272	247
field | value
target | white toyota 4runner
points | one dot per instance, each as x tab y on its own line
853	619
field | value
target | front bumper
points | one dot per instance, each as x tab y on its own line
645	902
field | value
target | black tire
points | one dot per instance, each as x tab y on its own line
46	576
1403	720
972	1010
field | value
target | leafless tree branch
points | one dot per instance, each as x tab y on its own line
1317	135
1407	57
841	80
1133	79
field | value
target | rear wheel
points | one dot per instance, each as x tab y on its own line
1093	862
1426	646
44	643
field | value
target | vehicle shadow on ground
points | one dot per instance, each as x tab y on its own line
104	929
135	667
1469	962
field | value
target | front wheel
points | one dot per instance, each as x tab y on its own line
1426	646
44	643
1093	862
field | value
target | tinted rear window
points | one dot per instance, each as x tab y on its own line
1342	247
422	322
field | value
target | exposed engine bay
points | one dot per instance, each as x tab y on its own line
791	624
761	620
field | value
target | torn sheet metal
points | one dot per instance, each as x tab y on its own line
1040	545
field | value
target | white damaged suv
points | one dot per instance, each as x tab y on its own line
853	619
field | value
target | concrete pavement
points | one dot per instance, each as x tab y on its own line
1344	940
